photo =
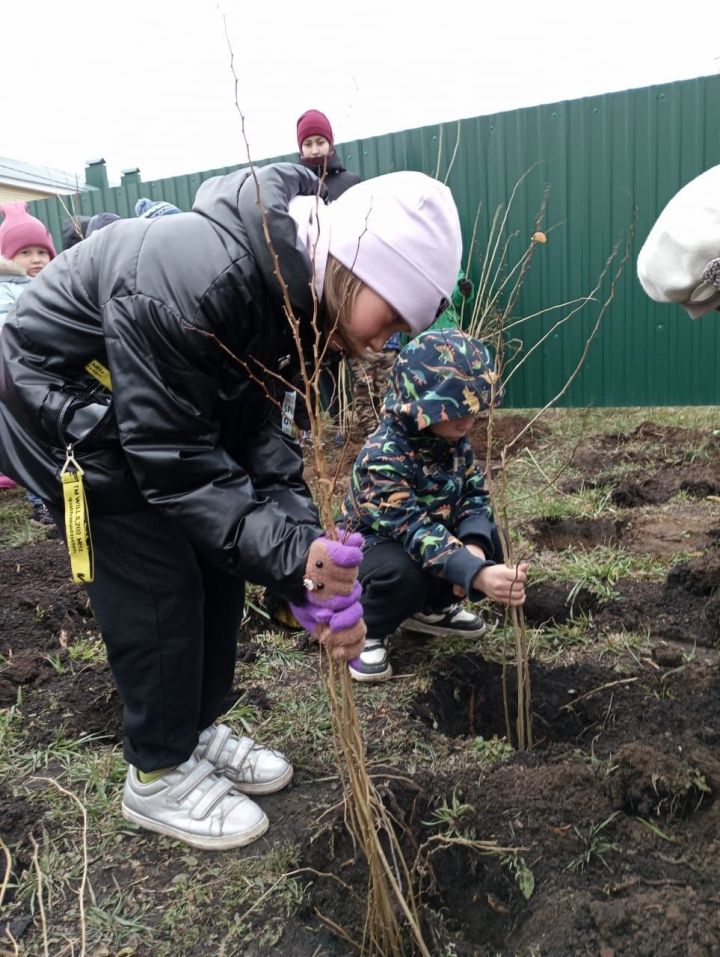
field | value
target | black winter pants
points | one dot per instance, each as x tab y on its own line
395	588
170	623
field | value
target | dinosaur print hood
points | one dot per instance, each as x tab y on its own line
441	375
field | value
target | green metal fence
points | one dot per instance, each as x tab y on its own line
609	164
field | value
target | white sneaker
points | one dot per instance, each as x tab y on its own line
193	804
372	663
252	768
454	620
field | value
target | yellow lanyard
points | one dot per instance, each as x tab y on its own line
100	372
77	527
77	524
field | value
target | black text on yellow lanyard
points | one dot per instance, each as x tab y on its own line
77	522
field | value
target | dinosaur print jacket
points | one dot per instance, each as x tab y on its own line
413	487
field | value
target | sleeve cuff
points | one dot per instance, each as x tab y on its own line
477	526
461	569
481	542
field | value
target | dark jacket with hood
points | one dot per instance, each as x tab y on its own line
415	488
337	179
184	311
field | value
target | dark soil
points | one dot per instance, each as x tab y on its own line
614	811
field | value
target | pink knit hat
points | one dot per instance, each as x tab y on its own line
400	234
313	123
19	229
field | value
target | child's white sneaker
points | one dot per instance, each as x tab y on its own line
454	620
252	768
194	804
372	663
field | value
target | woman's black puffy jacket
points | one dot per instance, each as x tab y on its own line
186	313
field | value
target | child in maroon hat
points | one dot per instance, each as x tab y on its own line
317	151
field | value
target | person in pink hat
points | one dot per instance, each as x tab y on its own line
26	247
24	239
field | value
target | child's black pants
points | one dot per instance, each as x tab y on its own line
170	623
395	588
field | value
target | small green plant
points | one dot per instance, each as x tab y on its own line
10	724
598	572
559	640
55	659
632	643
15	529
492	749
276	661
111	923
588	502
595	845
447	817
244	714
62	749
520	873
690	790
89	649
665	686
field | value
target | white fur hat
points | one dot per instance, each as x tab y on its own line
400	234
680	260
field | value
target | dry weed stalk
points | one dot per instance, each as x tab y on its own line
8	868
390	899
3	890
499	288
15	952
35	861
83	879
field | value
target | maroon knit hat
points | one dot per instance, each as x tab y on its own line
313	123
19	229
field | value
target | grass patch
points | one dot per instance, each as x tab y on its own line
15	527
599	570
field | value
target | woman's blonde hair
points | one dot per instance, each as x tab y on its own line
341	288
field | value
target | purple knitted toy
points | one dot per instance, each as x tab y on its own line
332	591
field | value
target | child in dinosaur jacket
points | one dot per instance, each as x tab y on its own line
419	498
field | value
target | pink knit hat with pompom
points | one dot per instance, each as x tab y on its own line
19	230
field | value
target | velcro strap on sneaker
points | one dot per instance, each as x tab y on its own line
218	740
178	792
244	747
212	797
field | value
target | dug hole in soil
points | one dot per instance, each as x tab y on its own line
611	822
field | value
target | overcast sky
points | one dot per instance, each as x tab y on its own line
148	83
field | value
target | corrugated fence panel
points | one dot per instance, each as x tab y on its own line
608	165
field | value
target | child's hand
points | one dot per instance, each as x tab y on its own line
503	584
